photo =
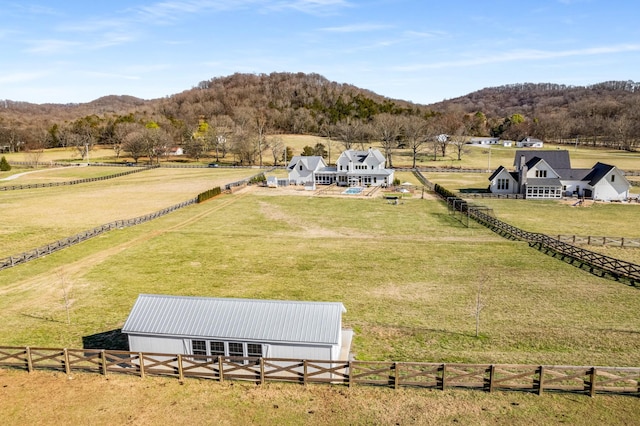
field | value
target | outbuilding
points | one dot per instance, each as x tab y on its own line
238	327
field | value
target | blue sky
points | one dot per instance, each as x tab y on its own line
418	50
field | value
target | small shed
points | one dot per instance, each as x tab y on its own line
238	327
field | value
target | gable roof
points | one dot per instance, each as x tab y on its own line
599	171
242	319
556	159
360	156
311	162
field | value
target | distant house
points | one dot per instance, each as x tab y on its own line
484	141
530	142
176	150
548	174
353	168
238	327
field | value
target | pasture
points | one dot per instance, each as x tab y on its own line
409	276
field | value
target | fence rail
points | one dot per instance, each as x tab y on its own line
24	257
600	241
595	261
73	182
487	377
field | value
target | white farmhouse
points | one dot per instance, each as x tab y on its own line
548	174
363	168
353	168
238	327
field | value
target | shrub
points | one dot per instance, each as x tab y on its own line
4	165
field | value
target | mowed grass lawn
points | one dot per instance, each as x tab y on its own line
408	275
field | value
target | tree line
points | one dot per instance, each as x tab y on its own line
238	118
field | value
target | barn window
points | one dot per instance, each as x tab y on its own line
199	347
254	350
236	349
217	348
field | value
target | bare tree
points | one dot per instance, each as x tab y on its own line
416	132
348	132
278	149
387	129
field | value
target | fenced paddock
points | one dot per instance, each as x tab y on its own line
486	377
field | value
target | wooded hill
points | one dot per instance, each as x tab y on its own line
242	109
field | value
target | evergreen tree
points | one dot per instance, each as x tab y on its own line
4	165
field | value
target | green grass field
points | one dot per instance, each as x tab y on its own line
408	275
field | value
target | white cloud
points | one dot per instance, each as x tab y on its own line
52	46
357	28
21	77
524	55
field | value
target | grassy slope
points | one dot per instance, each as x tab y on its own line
407	274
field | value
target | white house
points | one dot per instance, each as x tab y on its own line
176	150
306	169
548	174
353	168
238	327
530	142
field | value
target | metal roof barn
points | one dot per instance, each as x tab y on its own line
171	324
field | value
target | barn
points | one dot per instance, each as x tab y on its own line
238	327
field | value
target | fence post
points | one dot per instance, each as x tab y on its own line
261	371
622	242
67	367
29	361
351	378
540	380
180	370
444	374
103	362
592	386
396	367
220	368
304	372
141	359
492	372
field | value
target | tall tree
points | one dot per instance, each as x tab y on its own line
387	129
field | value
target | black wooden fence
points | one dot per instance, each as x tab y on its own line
11	261
74	182
488	377
595	262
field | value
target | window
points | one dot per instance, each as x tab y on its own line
300	166
254	350
199	347
217	348
236	349
541	173
503	184
613	178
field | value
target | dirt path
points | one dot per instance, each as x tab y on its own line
19	175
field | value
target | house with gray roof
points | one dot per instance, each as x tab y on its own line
238	327
548	174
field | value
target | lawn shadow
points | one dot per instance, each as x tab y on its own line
112	340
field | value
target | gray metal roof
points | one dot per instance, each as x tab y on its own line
242	319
